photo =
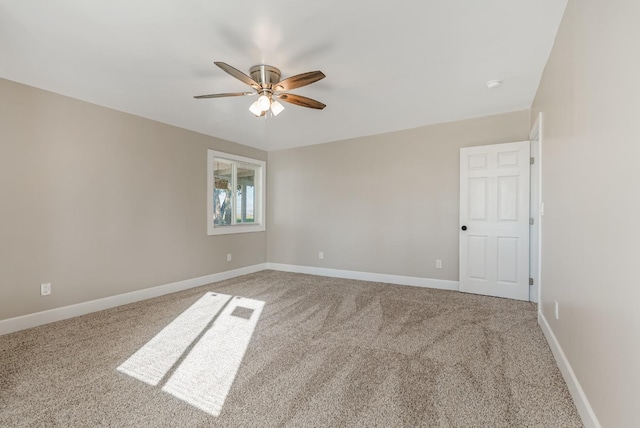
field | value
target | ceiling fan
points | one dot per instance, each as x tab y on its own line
265	80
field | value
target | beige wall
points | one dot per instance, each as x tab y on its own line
99	203
386	203
589	94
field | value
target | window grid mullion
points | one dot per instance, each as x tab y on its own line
234	173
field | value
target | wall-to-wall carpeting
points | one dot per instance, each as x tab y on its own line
324	352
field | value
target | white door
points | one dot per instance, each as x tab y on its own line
494	220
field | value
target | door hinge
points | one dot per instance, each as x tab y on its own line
532	160
531	221
530	281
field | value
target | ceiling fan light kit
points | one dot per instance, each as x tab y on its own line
265	80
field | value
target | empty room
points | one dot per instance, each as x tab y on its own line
250	214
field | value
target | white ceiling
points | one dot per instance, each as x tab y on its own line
389	65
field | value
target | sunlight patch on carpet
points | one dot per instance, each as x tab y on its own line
152	362
201	349
205	377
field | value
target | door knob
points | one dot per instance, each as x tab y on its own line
464	227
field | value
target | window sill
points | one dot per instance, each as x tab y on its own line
237	228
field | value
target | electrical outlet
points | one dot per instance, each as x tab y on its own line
557	310
45	289
438	264
321	255
229	257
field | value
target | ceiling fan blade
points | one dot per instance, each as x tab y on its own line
238	74
229	94
301	101
299	80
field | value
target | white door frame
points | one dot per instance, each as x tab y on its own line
536	210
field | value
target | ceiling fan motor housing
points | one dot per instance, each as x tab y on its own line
265	75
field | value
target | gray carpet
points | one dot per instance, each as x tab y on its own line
325	352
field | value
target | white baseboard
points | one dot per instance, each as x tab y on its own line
589	418
39	318
441	284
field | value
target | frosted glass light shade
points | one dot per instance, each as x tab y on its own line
264	102
276	108
255	109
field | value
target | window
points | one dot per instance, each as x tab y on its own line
235	194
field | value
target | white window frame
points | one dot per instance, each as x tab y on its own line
260	184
